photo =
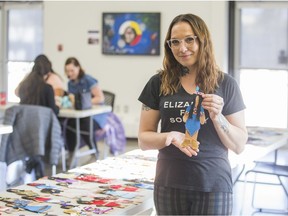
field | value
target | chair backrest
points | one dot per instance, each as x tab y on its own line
36	131
36	135
109	98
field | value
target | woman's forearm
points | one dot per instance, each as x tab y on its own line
151	140
97	100
233	137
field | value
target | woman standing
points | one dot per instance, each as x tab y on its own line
192	181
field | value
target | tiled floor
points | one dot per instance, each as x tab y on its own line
267	196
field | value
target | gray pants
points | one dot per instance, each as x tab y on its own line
171	201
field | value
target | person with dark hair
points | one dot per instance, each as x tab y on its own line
193	173
52	78
34	90
79	81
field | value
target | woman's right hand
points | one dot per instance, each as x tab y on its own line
72	99
176	138
58	101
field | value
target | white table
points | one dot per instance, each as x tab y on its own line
135	164
262	141
77	115
122	170
72	113
6	106
139	164
4	129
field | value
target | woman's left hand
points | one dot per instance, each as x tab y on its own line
213	104
176	138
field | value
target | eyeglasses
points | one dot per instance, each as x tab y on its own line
175	43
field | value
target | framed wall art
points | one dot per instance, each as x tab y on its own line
131	33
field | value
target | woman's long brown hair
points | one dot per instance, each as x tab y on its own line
31	88
208	73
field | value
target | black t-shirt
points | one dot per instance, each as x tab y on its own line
210	170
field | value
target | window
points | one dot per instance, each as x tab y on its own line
261	61
23	32
2	77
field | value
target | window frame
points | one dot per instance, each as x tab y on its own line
5	7
235	34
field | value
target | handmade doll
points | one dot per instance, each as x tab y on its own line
193	117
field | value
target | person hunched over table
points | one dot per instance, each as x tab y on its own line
79	81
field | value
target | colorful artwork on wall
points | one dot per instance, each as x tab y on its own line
131	34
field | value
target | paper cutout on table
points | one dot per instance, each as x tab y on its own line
263	132
142	185
50	191
101	203
26	205
75	193
123	194
142	180
120	187
42	186
93	178
9	210
28	193
62	180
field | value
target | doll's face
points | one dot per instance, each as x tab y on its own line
72	71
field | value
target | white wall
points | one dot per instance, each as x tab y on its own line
68	23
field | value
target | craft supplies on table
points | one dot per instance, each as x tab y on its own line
118	186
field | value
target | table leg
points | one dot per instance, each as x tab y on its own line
77	146
77	153
91	137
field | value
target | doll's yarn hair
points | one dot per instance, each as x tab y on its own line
194	96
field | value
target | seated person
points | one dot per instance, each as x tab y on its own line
34	90
79	81
52	78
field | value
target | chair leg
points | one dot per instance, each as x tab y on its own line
93	144
244	192
53	170
283	186
63	159
243	195
259	209
239	174
254	190
106	148
74	160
